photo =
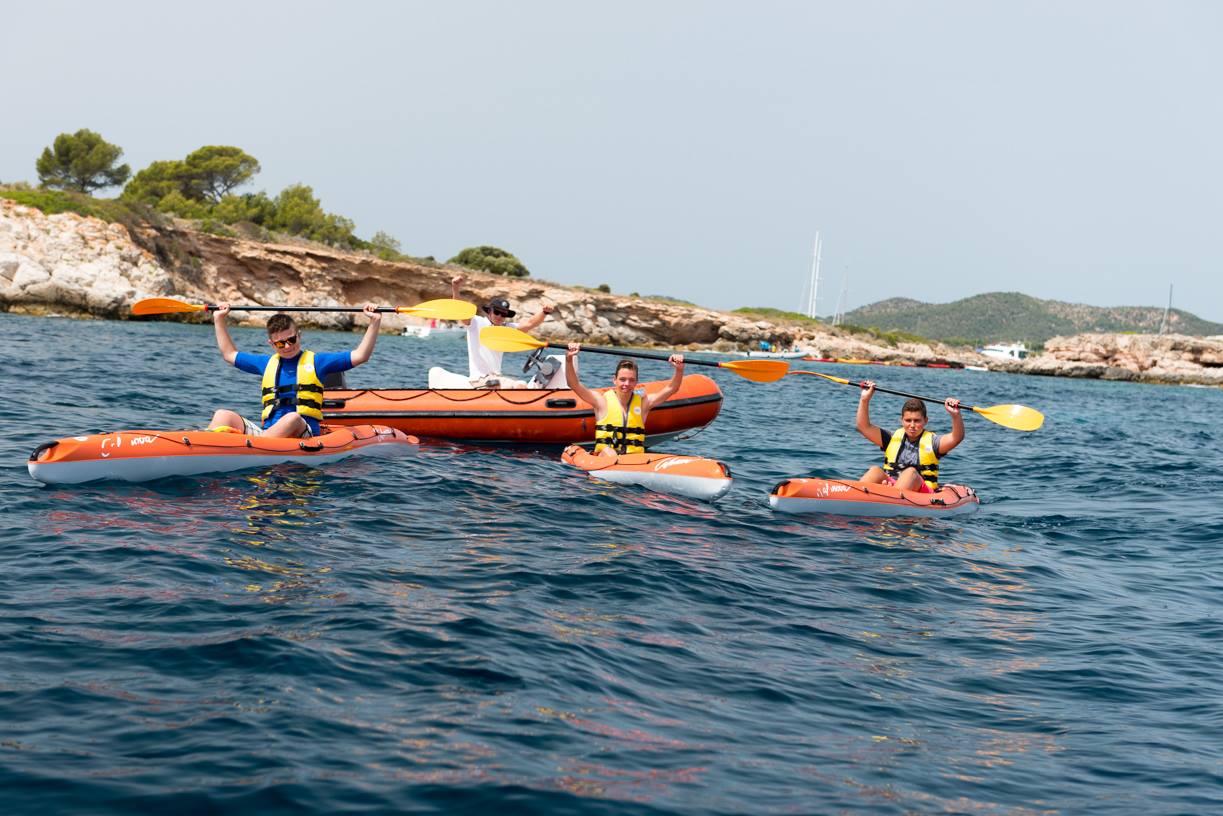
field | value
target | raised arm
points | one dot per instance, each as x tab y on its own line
229	352
668	390
571	377
873	433
532	322
949	441
363	351
456	282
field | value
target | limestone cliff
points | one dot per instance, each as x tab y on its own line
85	266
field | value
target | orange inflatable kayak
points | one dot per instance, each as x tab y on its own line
137	456
846	498
535	416
691	476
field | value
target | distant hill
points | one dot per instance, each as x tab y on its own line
1008	316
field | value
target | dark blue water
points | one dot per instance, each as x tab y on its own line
484	631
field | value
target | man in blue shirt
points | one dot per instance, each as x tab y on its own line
292	377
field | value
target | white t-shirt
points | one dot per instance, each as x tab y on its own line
481	360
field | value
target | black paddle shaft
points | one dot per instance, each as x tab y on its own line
645	355
913	396
212	307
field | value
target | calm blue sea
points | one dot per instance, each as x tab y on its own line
484	631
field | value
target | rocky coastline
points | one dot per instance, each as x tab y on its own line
86	267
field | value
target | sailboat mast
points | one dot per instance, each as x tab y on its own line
840	312
816	252
1164	322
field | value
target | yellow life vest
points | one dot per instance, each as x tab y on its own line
927	458
623	434
306	395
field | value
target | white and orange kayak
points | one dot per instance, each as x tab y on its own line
846	498
678	475
138	456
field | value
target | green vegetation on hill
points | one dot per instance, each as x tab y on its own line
52	202
491	259
779	316
1011	316
200	187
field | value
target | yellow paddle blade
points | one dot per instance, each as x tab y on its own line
840	380
1018	417
507	338
757	370
152	306
441	309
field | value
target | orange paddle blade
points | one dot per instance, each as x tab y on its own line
152	306
757	370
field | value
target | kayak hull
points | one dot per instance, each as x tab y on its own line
846	498
515	416
693	477
139	456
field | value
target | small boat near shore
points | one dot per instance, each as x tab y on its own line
1005	351
849	498
433	332
542	416
792	354
139	456
694	477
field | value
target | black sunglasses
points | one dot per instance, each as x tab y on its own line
503	314
288	341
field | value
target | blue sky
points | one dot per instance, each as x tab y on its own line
1067	150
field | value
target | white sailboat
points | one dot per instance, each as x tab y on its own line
811	292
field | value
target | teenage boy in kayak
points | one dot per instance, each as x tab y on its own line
620	414
911	453
484	364
292	377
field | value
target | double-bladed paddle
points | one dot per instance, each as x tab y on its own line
505	338
443	309
1018	417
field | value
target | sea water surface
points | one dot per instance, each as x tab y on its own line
475	630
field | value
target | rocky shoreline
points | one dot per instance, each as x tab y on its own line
69	264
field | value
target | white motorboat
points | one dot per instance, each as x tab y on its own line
1005	351
433	331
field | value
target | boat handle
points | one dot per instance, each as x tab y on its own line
334	403
310	446
45	446
561	403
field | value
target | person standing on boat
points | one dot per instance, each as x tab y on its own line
621	413
292	377
484	364
911	453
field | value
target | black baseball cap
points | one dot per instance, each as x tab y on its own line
500	305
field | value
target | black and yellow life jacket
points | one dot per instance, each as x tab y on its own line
927	458
305	395
618	431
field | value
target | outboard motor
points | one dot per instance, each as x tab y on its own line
546	372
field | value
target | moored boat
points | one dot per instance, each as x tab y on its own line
791	354
848	498
515	416
1005	351
138	456
692	476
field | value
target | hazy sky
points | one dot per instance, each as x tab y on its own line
1067	150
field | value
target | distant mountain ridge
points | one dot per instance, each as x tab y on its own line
1012	316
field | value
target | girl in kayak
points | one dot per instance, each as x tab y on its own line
292	378
620	414
911	453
